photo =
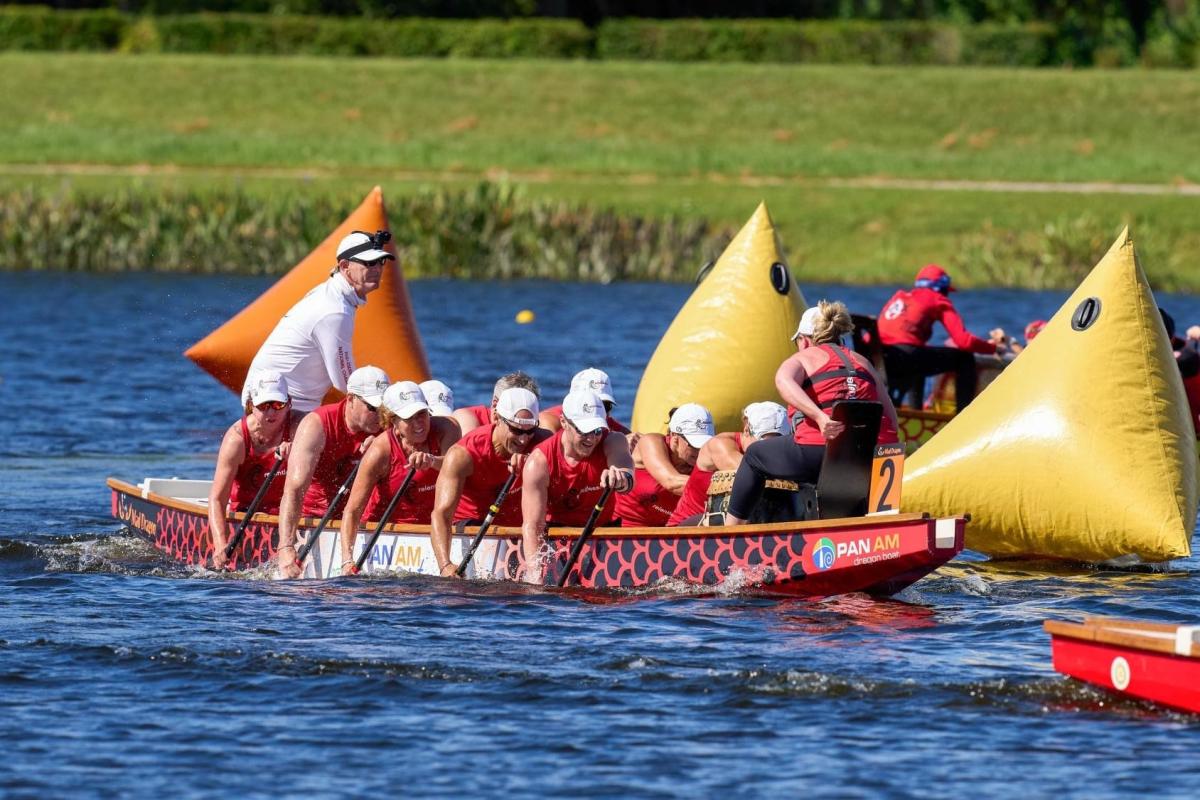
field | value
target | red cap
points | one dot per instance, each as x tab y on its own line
1033	329
931	276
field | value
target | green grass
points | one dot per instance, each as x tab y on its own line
692	140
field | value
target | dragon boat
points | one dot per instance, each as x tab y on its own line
878	554
1146	660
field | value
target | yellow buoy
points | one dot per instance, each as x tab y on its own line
1082	448
726	342
524	316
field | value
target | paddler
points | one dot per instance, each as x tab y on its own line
327	445
311	344
565	475
248	454
478	465
1187	358
662	465
440	398
906	325
765	420
415	441
471	417
821	372
590	379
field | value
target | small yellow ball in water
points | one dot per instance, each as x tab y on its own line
524	317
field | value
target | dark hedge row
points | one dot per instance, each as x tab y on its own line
786	41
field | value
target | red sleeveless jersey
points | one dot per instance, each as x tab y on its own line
613	424
694	499
483	414
483	484
251	472
649	505
839	378
574	489
416	507
1191	385
336	461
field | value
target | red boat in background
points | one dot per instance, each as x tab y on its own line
1147	660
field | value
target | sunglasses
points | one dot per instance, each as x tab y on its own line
587	435
370	264
271	405
518	430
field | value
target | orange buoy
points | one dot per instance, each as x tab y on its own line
385	333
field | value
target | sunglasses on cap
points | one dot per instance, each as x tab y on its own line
519	430
271	405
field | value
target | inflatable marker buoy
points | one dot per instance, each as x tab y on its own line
1082	448
385	333
726	342
524	317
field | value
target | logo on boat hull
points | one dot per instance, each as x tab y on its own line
823	554
1119	673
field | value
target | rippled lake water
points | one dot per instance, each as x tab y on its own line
122	674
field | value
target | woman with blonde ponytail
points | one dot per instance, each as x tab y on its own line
821	372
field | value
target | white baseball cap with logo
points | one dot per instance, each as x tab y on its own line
766	417
808	323
369	383
694	423
585	410
363	247
514	400
439	397
404	399
268	385
594	380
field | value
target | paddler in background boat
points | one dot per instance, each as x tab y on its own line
662	465
415	441
247	455
1187	357
594	380
764	420
564	476
471	417
327	444
905	327
311	344
821	372
478	465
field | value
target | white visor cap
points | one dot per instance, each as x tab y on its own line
514	400
585	409
369	383
439	397
594	380
808	323
693	422
359	247
267	385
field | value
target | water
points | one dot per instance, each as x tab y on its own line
124	675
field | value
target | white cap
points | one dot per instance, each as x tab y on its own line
369	383
808	323
439	397
767	417
585	409
517	399
362	247
693	422
404	399
595	380
266	385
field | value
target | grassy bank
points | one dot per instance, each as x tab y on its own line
695	142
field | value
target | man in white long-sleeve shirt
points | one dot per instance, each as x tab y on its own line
311	344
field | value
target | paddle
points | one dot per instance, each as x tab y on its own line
316	534
493	510
584	535
362	559
253	508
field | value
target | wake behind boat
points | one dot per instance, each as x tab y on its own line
879	555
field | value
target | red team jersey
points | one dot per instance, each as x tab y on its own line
909	316
574	489
336	461
251	473
483	484
416	507
839	378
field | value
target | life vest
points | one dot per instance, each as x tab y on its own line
338	457
649	505
839	378
251	472
416	507
574	489
695	491
488	474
